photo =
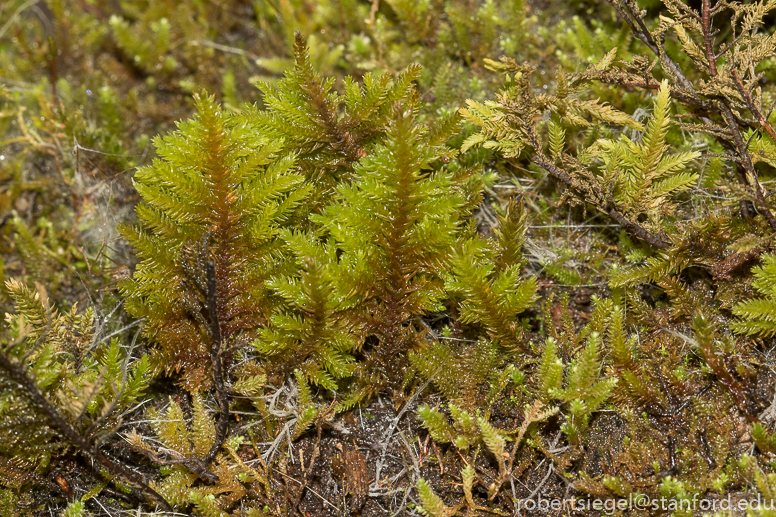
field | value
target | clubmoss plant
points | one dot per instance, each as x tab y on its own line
395	226
217	197
342	270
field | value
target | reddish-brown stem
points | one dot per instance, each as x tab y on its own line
610	209
195	465
707	38
18	375
743	204
746	161
217	364
719	369
751	105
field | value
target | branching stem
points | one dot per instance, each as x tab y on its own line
16	373
707	37
747	177
609	208
746	161
752	107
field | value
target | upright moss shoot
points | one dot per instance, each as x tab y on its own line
218	192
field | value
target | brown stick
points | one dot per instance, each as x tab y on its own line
610	209
707	38
68	432
195	465
750	104
640	30
746	160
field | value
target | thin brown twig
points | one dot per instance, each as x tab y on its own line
751	105
195	465
608	208
18	375
707	37
728	46
747	164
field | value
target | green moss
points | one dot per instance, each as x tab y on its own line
585	264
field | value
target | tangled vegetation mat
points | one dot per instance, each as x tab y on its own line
387	258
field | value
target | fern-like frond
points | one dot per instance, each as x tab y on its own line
758	315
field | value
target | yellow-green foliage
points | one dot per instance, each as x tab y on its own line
633	178
487	279
182	438
330	132
89	384
315	335
758	315
352	233
75	509
431	504
642	176
584	392
218	192
465	373
394	227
